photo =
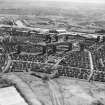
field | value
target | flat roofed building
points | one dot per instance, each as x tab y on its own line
10	96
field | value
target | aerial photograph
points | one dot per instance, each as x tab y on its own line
52	52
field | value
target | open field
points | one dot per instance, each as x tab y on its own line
72	91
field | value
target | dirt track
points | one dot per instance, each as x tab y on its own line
55	93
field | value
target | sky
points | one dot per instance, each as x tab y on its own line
75	1
80	1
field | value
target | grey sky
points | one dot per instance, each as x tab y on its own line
81	1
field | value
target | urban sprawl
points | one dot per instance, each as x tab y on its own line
53	52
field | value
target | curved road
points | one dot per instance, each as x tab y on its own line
91	65
8	63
